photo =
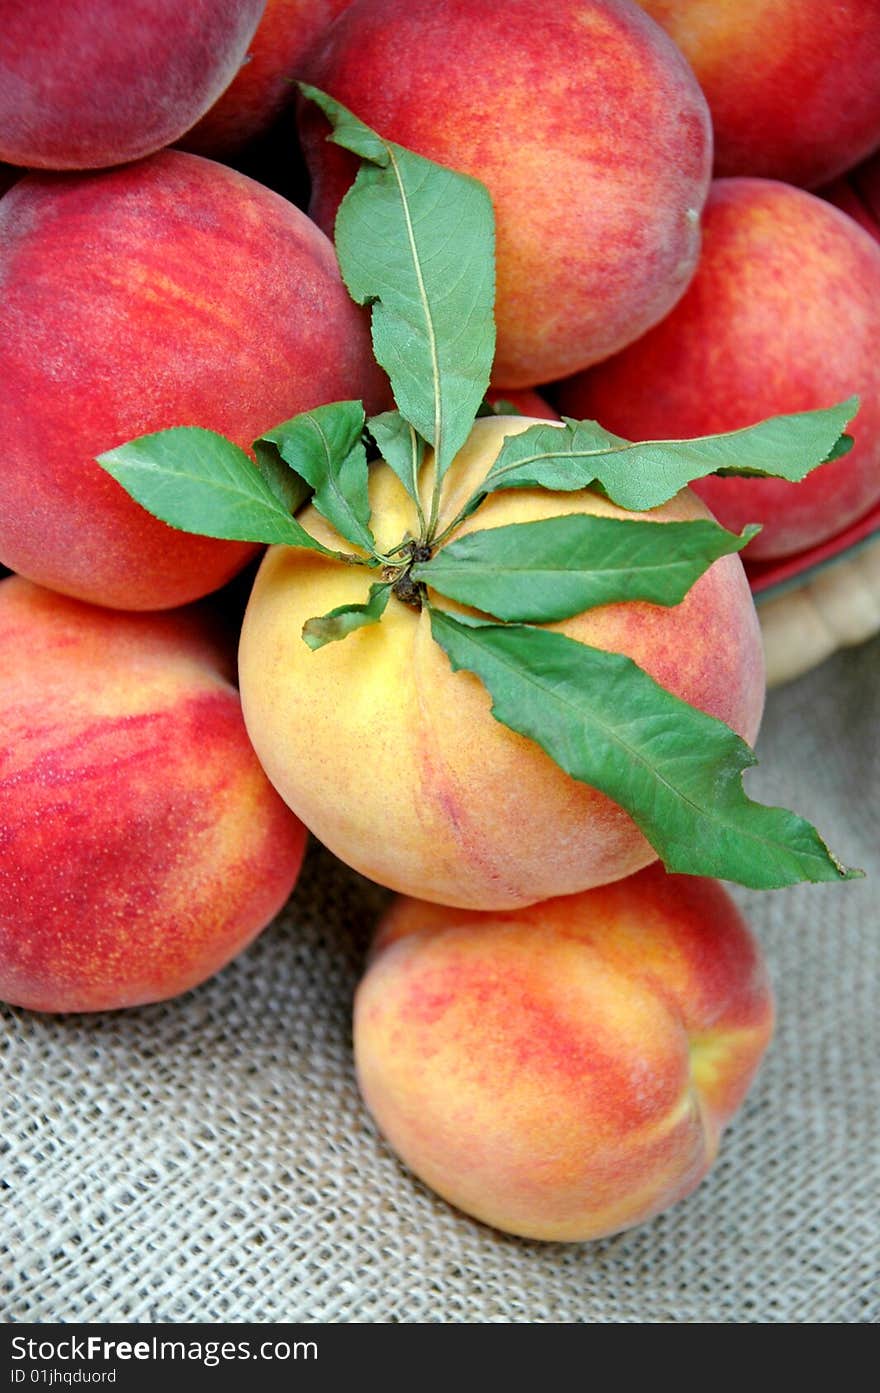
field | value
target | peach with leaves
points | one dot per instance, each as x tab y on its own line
465	810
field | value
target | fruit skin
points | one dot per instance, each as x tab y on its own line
858	194
793	85
93	84
263	87
143	846
586	126
783	315
396	763
165	293
564	1071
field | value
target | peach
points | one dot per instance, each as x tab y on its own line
88	85
397	764
563	1071
143	846
782	315
585	124
165	293
793	85
263	87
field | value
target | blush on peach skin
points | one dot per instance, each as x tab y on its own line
793	85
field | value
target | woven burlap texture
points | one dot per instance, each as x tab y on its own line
209	1159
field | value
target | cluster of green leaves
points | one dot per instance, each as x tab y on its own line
416	243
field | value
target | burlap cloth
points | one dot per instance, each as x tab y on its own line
208	1159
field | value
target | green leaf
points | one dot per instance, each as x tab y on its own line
416	241
643	475
325	448
289	488
561	458
199	481
675	770
784	447
348	130
339	623
842	447
548	570
401	447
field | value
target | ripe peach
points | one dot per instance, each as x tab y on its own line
585	124
169	292
87	85
396	763
143	846
793	85
782	315
263	86
564	1071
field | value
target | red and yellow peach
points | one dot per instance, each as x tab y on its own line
783	315
143	846
563	1071
585	124
96	84
170	292
793	85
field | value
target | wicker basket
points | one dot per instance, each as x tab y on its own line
827	599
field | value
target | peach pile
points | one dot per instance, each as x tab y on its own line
261	89
551	1031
